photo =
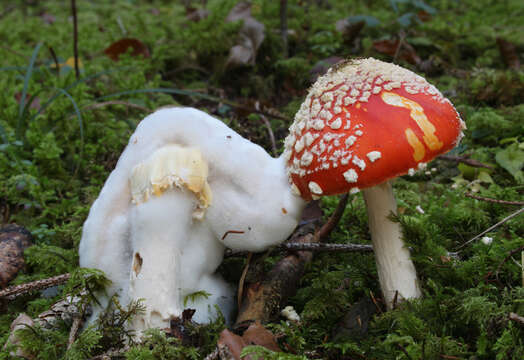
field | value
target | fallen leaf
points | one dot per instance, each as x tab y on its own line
257	334
251	35
394	47
14	240
121	47
35	102
508	52
233	342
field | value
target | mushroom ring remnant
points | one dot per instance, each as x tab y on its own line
363	123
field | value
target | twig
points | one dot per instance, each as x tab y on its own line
496	201
515	317
14	291
328	227
75	37
55	59
315	247
404	351
464	160
77	321
507	218
269	130
318	247
283	27
115	102
402	36
243	279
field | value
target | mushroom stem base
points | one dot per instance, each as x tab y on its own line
396	271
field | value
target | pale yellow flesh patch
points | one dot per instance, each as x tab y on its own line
417	114
172	166
418	147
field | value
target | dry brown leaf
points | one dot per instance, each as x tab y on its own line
233	342
14	240
250	36
257	334
121	47
35	103
394	47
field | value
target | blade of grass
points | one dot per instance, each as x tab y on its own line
80	124
78	114
27	77
67	88
192	93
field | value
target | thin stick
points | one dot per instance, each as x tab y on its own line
55	59
243	279
507	218
14	291
115	102
329	226
464	160
77	321
318	247
75	37
269	130
515	317
283	27
496	201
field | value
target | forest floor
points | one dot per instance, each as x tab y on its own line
63	127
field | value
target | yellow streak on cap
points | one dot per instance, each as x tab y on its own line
417	114
418	147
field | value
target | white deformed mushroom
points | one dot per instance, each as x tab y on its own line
363	123
185	187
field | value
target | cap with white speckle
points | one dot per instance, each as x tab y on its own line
364	122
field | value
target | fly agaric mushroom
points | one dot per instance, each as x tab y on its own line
363	123
185	187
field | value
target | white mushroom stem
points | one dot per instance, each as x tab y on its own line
396	271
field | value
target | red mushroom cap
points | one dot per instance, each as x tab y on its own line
364	122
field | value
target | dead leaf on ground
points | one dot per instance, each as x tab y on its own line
14	240
394	47
250	36
121	47
256	334
508	52
35	102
